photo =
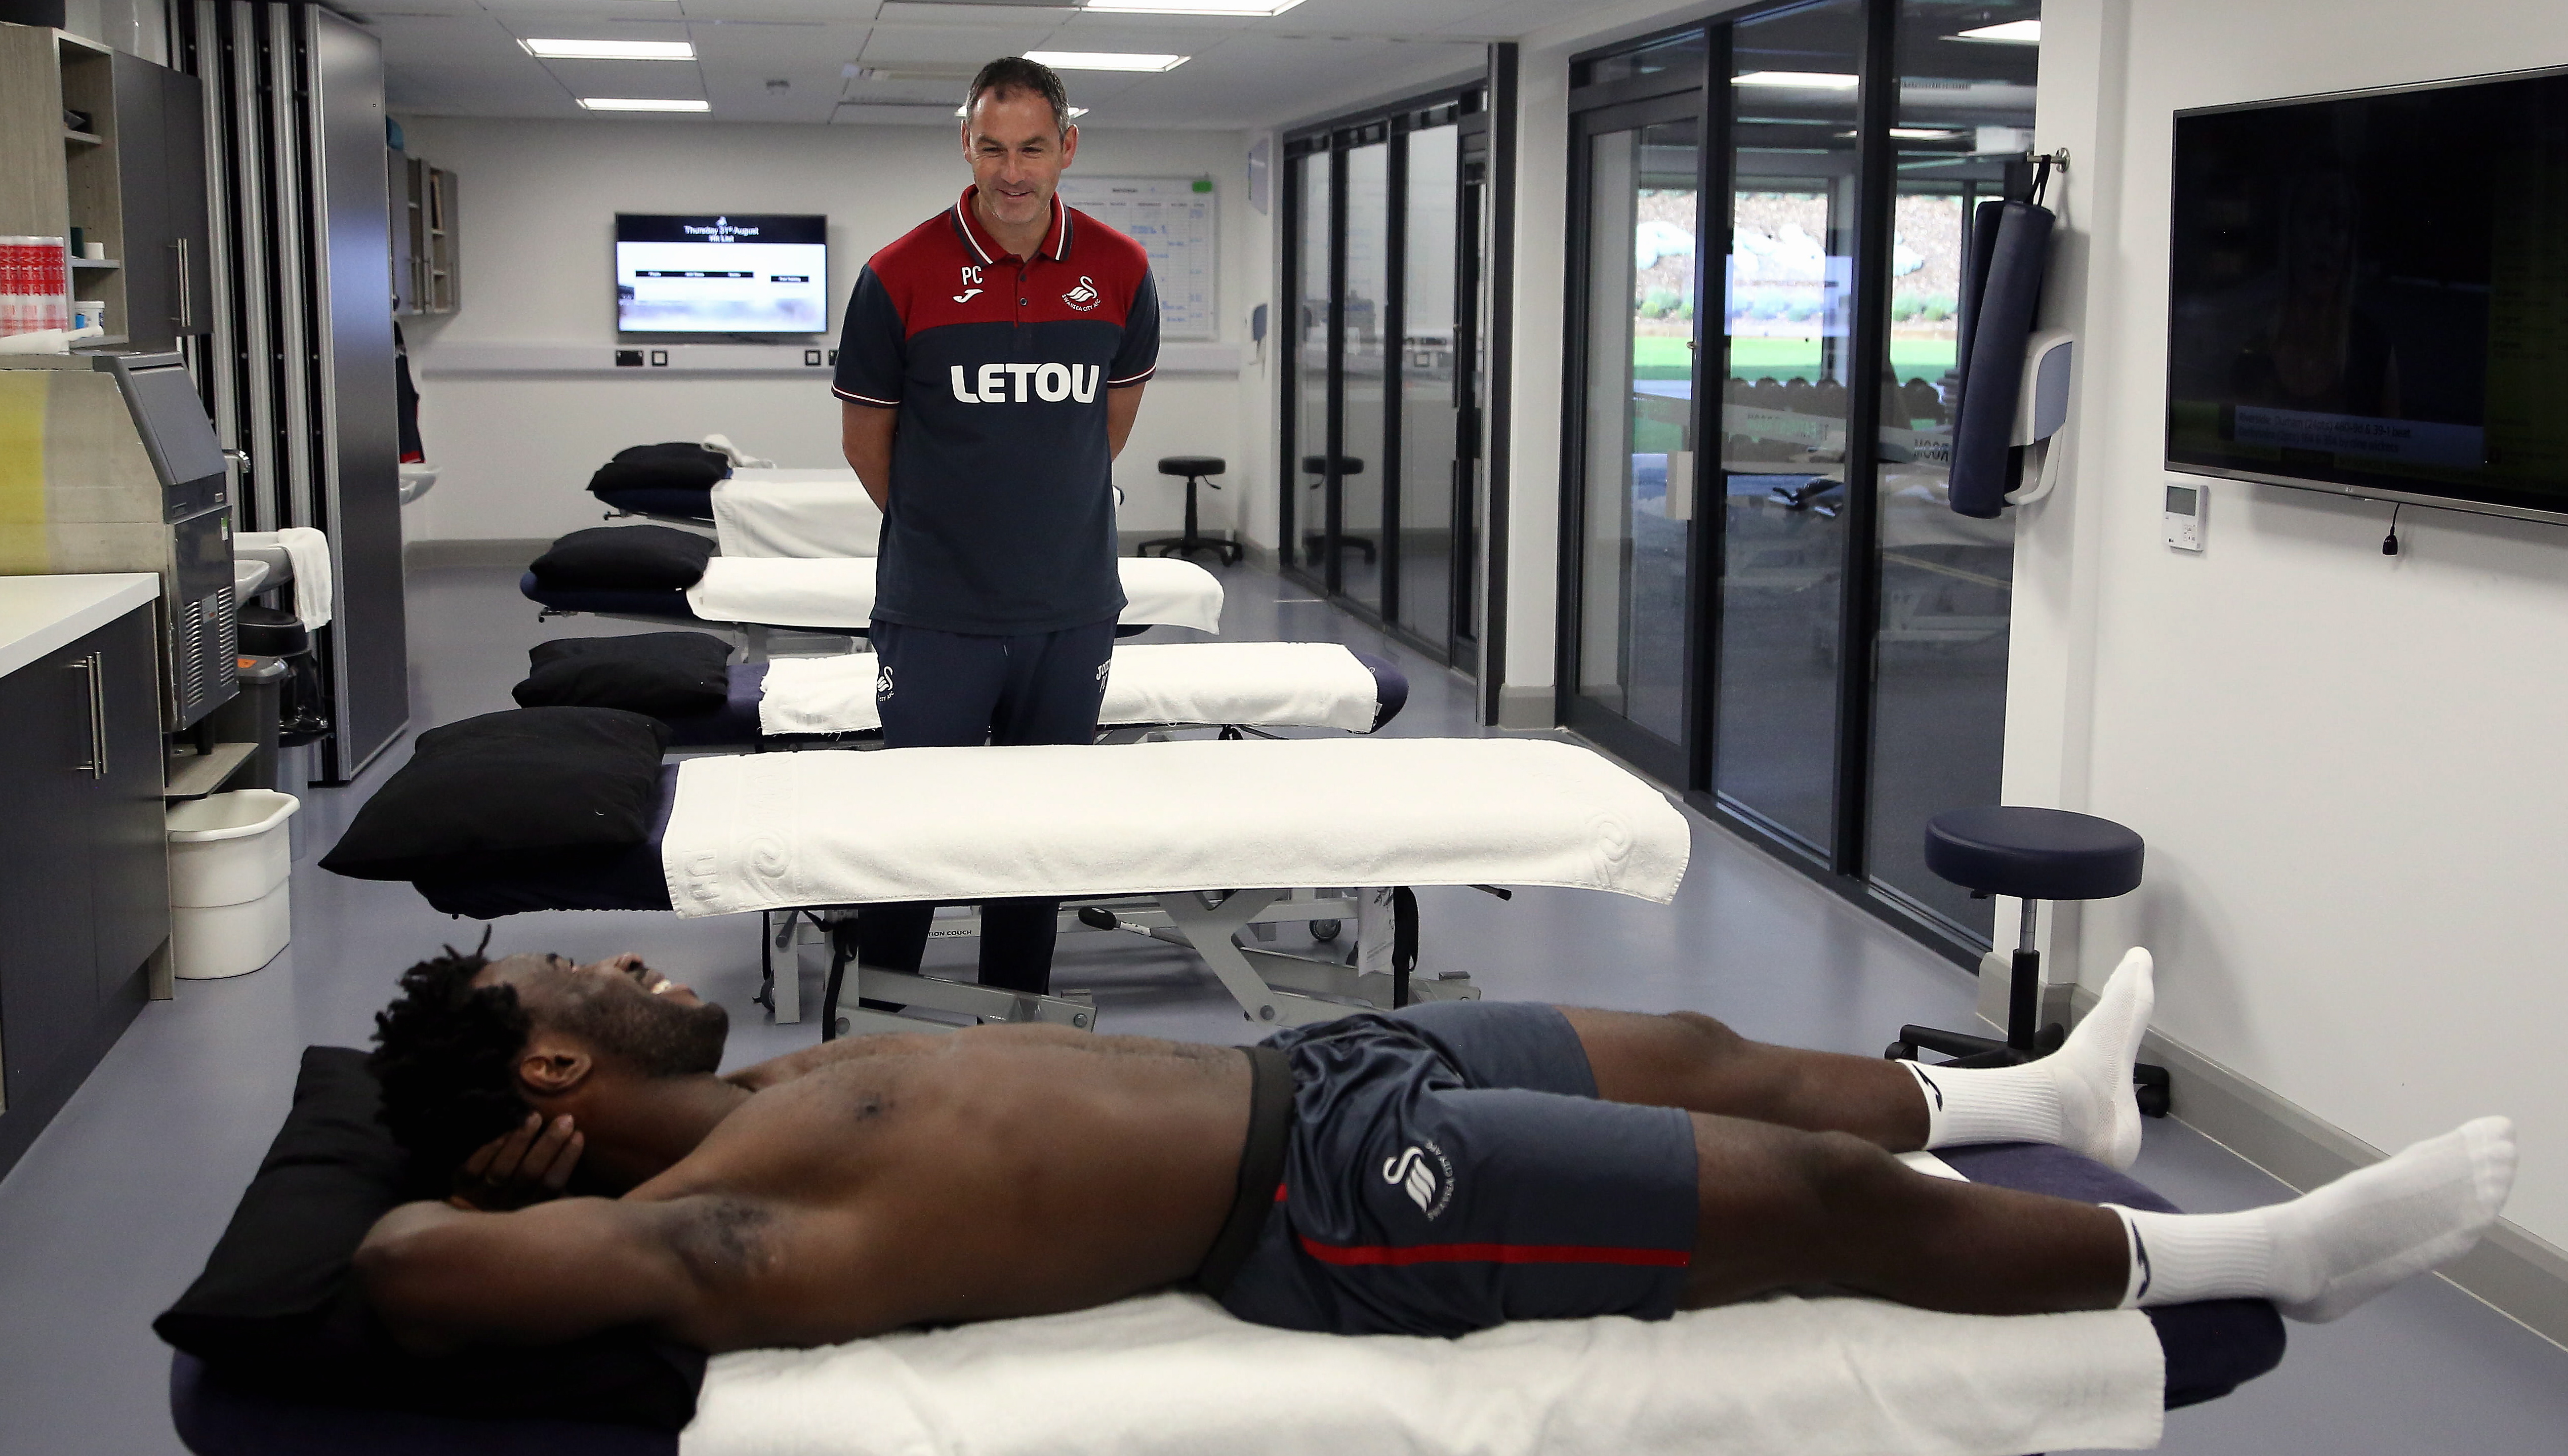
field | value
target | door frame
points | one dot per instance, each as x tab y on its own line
1675	762
1611	107
1385	126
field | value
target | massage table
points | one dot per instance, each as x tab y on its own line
1190	842
836	596
1237	687
1171	1374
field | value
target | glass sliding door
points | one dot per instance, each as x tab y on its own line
1635	466
1789	360
1305	508
1940	653
1382	507
1364	462
1430	398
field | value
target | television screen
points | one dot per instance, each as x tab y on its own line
2369	294
735	273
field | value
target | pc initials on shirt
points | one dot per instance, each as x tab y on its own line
1050	383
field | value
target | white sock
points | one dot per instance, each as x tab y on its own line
2324	1253
2079	1097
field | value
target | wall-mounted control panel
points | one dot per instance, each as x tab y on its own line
2183	516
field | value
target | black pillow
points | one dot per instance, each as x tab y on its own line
632	557
664	674
509	791
677	464
277	1310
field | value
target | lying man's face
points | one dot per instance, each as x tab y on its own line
623	1008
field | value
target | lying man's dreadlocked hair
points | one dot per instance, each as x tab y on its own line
445	1057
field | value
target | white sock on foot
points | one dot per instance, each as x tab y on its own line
2322	1253
2079	1097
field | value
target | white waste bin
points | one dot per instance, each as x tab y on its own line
229	859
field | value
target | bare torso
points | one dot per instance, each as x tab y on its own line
931	1179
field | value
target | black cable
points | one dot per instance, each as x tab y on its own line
2389	543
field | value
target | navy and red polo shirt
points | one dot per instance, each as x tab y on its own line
1002	516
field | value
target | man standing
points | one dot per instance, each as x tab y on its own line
992	364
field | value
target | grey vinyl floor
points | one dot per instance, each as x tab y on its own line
111	1213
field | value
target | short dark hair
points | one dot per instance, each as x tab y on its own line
446	1055
1013	74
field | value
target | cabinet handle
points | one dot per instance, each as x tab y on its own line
93	669
187	315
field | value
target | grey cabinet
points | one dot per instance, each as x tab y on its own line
161	183
84	870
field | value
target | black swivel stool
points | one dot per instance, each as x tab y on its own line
1318	467
2031	855
1194	468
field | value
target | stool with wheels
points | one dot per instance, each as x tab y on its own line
1194	468
2031	855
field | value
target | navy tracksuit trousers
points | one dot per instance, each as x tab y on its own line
949	689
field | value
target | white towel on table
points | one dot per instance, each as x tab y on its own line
773	513
1170	1374
307	552
766	831
786	592
1258	684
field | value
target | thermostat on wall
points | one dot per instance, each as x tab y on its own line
2185	506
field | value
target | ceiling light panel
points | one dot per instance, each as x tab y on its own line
1192	7
1105	61
642	103
2013	33
1799	80
567	50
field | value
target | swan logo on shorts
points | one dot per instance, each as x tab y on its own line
1083	298
1412	1174
883	686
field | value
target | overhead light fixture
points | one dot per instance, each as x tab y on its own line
642	103
1104	61
1799	80
1923	133
558	50
1193	7
2013	33
1075	111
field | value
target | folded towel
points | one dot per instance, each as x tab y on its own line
815	592
307	552
766	831
1262	684
771	512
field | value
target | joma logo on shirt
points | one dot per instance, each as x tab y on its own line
1047	382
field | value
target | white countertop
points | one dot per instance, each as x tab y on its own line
41	613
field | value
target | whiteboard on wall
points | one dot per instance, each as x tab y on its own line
1173	219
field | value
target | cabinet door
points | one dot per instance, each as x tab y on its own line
151	289
185	216
48	988
127	834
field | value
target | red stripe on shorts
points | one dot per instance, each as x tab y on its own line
1380	1254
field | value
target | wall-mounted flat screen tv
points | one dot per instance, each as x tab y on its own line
722	273
2370	294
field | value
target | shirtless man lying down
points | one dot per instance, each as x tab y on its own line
1432	1171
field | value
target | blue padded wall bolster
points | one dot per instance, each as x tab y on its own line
2017	250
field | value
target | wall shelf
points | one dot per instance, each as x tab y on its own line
96	263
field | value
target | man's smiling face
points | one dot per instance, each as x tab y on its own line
1016	149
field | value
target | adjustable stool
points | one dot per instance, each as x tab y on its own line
2031	855
1346	465
1194	468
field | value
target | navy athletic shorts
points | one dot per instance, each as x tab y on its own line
1446	1168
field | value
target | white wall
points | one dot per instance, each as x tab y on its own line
537	203
2347	766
